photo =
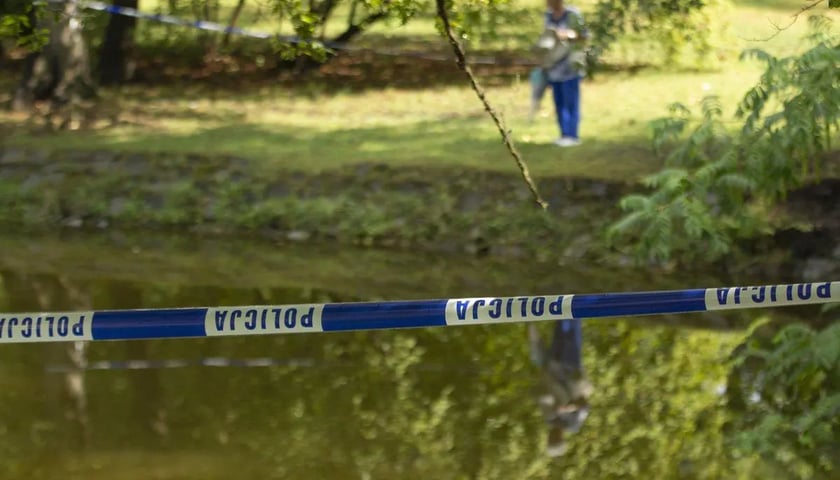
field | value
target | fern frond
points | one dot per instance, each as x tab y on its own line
666	178
635	202
628	224
736	181
757	54
711	107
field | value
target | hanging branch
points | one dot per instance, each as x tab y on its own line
780	29
234	17
460	59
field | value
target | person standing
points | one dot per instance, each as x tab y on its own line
564	67
564	400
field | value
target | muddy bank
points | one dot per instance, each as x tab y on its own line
456	211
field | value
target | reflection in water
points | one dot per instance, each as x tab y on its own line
420	403
57	293
139	363
74	380
565	398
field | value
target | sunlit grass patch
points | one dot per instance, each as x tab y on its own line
443	126
408	114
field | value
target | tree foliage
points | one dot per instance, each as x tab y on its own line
716	185
692	32
17	21
784	392
320	25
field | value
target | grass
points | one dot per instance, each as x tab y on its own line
434	121
439	127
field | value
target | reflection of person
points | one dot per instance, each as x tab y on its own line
564	66
565	398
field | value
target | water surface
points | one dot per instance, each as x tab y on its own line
417	403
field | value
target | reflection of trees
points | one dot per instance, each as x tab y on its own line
146	389
373	412
784	393
56	293
74	379
371	407
40	413
655	410
19	436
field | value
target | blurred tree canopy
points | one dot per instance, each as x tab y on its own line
17	21
692	32
58	35
318	24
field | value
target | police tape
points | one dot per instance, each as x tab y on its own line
217	27
172	20
335	317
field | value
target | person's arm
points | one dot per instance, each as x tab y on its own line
566	34
577	30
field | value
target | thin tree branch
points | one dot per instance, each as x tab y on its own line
358	28
234	17
460	59
779	29
351	18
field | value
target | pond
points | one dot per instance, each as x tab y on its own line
414	403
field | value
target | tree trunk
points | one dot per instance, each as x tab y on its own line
233	19
60	72
115	64
355	29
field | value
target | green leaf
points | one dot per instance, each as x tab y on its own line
826	347
635	202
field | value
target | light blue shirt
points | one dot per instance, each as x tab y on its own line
570	66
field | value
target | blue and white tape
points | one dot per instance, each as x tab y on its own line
332	317
172	20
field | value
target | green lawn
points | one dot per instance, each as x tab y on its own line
304	126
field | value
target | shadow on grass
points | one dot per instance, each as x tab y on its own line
411	62
348	72
449	145
167	75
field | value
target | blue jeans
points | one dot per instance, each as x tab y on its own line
567	344
567	104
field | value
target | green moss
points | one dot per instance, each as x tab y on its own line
370	205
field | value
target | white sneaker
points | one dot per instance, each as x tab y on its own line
567	142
